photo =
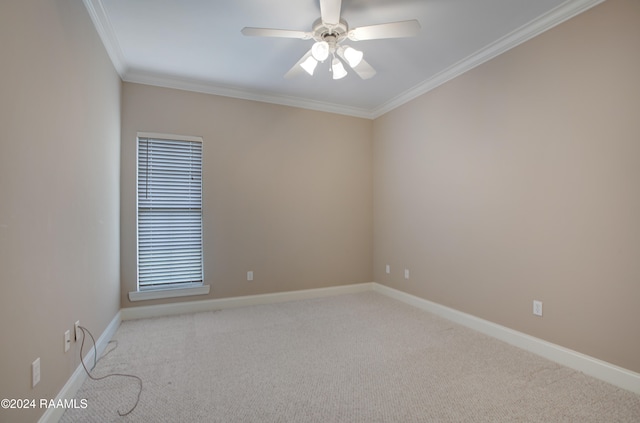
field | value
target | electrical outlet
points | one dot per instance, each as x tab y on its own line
406	273
35	372
76	330
250	275
387	269
67	340
537	308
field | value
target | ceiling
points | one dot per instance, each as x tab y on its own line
197	45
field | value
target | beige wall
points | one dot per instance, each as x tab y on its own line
59	192
520	180
287	192
516	181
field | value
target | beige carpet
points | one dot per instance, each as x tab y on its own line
351	358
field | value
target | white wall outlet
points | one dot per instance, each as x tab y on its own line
250	275
387	269
406	273
76	330
67	340
35	372
537	308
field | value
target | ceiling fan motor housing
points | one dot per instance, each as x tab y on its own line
328	36
332	34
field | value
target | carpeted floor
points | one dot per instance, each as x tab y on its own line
350	358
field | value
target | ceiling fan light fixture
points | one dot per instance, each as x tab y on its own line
328	32
338	69
309	65
353	56
320	51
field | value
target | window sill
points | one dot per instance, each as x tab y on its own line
168	293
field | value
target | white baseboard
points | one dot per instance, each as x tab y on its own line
618	376
69	390
249	300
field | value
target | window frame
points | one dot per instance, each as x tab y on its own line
167	290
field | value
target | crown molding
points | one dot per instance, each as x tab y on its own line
179	83
562	13
555	17
107	34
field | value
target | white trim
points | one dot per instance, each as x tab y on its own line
156	294
107	34
69	390
565	11
555	17
618	376
171	137
146	78
249	300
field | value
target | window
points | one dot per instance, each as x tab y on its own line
169	217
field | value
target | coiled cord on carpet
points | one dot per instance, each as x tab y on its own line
95	361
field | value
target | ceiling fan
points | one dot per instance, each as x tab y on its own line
329	33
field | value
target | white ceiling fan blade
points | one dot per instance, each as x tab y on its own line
363	69
330	11
297	69
386	30
282	33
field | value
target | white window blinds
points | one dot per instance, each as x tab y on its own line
169	213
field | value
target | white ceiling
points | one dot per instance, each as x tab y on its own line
197	45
